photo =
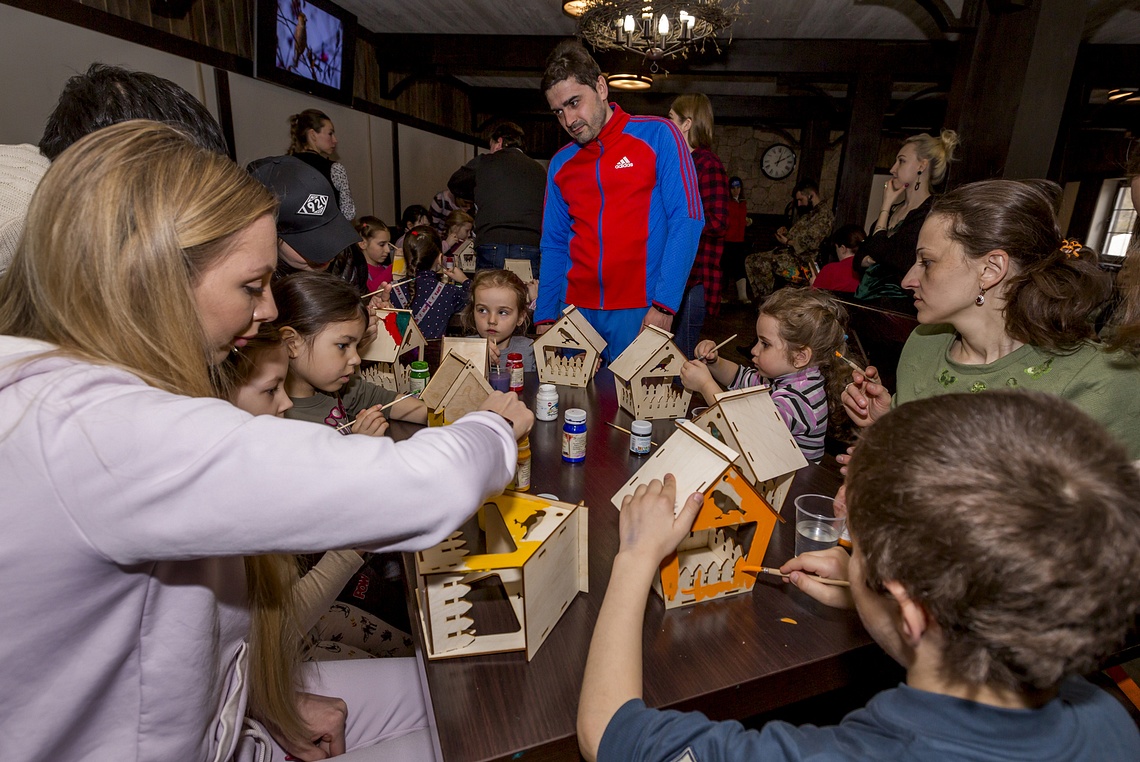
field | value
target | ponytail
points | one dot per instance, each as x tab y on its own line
1055	289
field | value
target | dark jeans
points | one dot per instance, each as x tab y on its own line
689	319
490	256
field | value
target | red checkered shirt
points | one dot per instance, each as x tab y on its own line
713	183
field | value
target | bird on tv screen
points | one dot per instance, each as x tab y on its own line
309	42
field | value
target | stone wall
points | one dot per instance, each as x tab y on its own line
740	148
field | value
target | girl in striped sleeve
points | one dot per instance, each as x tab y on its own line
798	332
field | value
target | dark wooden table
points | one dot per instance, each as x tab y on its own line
730	658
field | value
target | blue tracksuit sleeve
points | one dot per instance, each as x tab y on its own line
681	197
555	249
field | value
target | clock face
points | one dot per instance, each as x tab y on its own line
778	161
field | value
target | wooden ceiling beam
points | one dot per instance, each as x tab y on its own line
525	55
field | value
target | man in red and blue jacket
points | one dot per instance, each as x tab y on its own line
623	212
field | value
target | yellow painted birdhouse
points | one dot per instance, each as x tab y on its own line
527	550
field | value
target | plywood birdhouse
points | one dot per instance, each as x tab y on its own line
531	551
647	375
468	348
731	531
568	353
747	421
397	345
521	268
455	389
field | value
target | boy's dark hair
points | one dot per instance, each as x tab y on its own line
570	60
309	301
106	95
411	214
1013	518
511	134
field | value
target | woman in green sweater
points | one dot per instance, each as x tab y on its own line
1005	302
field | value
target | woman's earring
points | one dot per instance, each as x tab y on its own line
918	182
980	299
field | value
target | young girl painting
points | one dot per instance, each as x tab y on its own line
434	294
798	333
322	319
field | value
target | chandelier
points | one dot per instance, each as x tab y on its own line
656	30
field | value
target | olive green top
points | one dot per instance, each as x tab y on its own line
1104	385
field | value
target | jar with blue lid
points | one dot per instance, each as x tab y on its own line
574	436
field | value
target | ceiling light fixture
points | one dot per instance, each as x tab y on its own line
575	8
656	30
1121	93
629	81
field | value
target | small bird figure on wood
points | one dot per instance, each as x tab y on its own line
566	337
664	363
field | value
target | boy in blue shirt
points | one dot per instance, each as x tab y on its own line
996	542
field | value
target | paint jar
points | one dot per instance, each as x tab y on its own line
546	403
521	482
641	432
515	366
418	378
399	266
574	436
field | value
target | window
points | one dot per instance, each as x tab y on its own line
1120	224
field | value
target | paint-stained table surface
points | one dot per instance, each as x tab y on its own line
729	658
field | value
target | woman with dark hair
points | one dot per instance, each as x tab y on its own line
312	139
1005	303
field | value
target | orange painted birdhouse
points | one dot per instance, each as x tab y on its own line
731	531
747	421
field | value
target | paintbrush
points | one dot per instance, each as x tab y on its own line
778	573
705	356
390	286
626	431
849	361
382	408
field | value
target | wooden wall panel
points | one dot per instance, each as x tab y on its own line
225	25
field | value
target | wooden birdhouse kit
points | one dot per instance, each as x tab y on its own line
533	551
723	552
521	268
398	343
455	389
468	348
647	375
747	421
568	353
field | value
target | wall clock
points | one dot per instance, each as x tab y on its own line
778	161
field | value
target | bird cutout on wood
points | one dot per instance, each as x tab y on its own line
531	522
664	363
566	337
716	432
725	504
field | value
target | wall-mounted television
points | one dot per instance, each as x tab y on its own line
307	45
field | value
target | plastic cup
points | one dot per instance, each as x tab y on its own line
500	378
817	527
